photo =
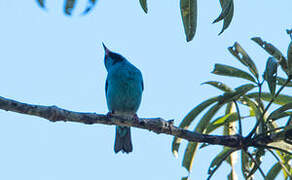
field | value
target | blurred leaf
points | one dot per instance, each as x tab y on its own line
143	4
188	10
226	14
272	50
89	7
219	85
271	74
237	51
281	81
274	171
226	70
185	178
245	164
280	99
189	119
41	3
220	121
193	146
218	160
284	162
69	6
289	55
280	110
259	153
281	115
239	91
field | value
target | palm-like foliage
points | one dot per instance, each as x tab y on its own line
267	135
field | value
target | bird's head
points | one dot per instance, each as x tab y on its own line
111	58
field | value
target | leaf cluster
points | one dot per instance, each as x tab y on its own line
269	134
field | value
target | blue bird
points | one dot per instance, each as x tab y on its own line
123	89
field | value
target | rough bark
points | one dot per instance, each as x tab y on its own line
157	125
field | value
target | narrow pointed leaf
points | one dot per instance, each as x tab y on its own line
221	121
270	74
280	110
226	14
219	85
143	4
281	115
281	81
274	171
287	169
289	55
69	6
281	99
245	164
193	146
237	51
218	160
188	10
272	50
89	7
239	91
226	70
41	3
189	119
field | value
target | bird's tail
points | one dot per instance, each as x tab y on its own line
123	139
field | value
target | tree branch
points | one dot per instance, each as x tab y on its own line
158	125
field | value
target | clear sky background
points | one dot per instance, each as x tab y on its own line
49	58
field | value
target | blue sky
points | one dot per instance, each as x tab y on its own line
49	58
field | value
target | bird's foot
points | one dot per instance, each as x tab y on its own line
136	119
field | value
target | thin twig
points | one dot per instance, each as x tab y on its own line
257	165
266	109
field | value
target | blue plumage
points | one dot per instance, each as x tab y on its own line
124	86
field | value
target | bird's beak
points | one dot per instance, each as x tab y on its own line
106	50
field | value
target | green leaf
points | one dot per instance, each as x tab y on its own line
69	6
226	14
274	171
272	50
280	99
226	70
280	110
185	178
239	91
289	55
270	74
245	164
218	160
41	3
89	7
237	51
284	162
281	81
188	10
219	85
189	119
143	4
222	120
193	146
